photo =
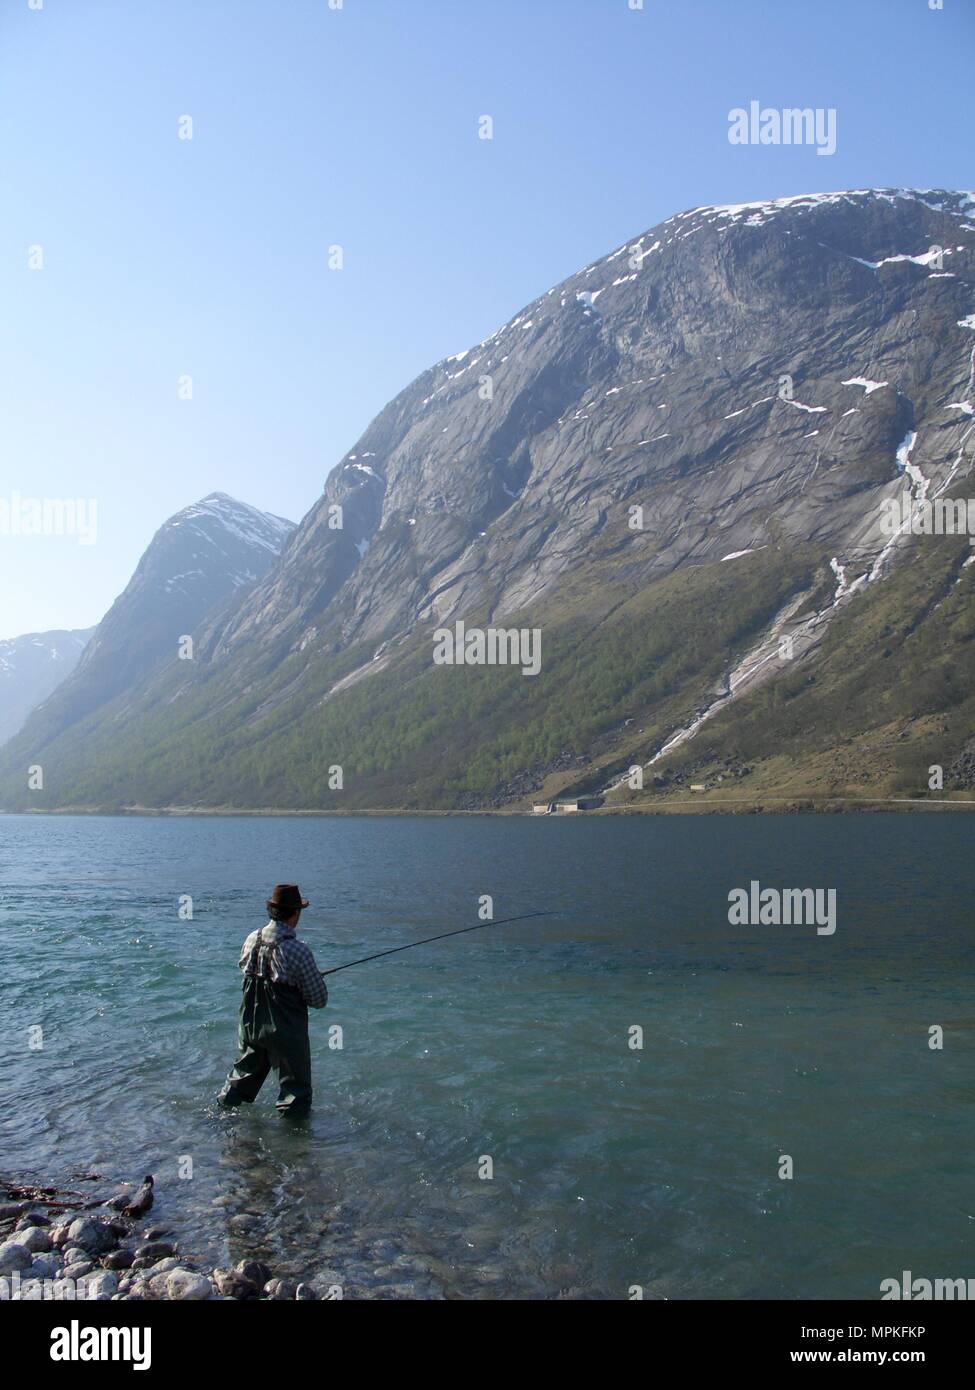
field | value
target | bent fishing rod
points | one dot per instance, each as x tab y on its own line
440	937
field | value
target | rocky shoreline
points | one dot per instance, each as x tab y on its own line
59	1242
101	1255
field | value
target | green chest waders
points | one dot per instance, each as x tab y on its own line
273	1033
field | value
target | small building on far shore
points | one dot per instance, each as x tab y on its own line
567	807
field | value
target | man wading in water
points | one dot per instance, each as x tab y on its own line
281	982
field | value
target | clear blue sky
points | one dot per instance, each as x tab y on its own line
357	126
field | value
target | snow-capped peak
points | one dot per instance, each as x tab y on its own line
246	523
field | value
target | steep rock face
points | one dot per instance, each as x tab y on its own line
756	375
31	669
201	559
671	462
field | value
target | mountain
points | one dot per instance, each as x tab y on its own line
204	557
31	667
677	466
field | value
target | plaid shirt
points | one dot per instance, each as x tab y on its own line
275	953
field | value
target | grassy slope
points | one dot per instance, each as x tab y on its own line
890	694
415	735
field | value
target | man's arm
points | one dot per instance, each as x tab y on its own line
306	974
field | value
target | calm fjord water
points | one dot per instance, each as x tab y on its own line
612	1167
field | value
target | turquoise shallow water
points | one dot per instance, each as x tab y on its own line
612	1167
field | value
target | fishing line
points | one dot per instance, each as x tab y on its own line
427	939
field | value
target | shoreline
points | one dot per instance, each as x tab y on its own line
56	1245
59	1243
770	804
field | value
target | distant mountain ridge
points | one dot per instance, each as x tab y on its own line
675	464
205	556
31	668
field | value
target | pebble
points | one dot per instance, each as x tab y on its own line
91	1235
32	1238
119	1259
78	1270
183	1285
10	1210
254	1272
13	1256
32	1218
244	1221
155	1250
231	1285
279	1289
100	1287
45	1266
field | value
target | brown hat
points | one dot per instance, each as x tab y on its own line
285	901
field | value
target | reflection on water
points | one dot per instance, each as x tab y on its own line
612	1166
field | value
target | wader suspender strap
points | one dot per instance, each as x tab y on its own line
255	963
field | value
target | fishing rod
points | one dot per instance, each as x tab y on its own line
427	939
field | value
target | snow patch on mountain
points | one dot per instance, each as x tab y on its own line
868	385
